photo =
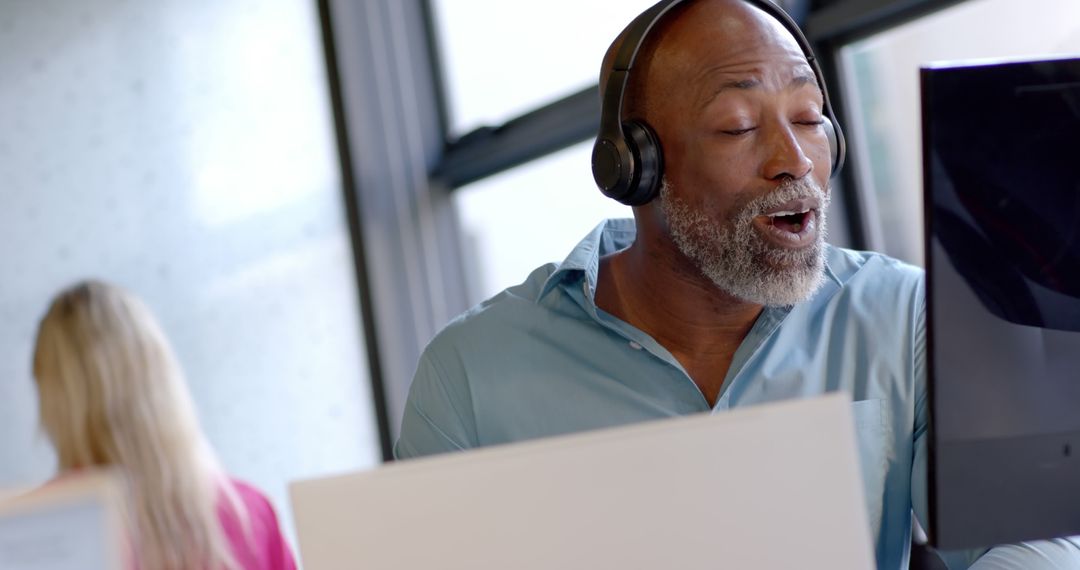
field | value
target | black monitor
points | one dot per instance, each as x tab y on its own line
1001	162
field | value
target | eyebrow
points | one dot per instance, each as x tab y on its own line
796	82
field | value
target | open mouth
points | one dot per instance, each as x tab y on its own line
792	224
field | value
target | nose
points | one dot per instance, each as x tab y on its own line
785	157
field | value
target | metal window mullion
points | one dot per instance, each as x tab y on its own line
384	84
389	132
421	190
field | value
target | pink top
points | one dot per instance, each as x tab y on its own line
268	549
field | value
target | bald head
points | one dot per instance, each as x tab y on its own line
663	67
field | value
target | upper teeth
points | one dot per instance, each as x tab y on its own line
779	214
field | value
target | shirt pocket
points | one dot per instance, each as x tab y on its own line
871	435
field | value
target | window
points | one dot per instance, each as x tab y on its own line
535	213
502	59
518	220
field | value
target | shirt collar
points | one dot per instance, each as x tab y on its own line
584	260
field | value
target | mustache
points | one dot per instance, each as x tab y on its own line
788	190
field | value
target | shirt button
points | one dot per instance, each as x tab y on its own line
635	345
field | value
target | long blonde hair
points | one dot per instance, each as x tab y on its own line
112	394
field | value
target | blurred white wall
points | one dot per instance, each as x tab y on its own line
184	149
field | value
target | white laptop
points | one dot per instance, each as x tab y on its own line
772	486
71	524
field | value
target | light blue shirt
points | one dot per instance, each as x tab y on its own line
541	359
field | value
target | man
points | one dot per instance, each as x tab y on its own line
720	293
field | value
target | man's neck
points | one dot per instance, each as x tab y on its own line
660	292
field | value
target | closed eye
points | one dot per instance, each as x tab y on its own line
737	132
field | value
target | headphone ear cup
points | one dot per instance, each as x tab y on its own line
836	144
648	164
612	166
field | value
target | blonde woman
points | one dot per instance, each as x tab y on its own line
113	395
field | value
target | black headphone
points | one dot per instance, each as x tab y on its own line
627	163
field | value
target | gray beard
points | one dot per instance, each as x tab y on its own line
738	259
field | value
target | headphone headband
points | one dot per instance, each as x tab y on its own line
627	160
638	30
